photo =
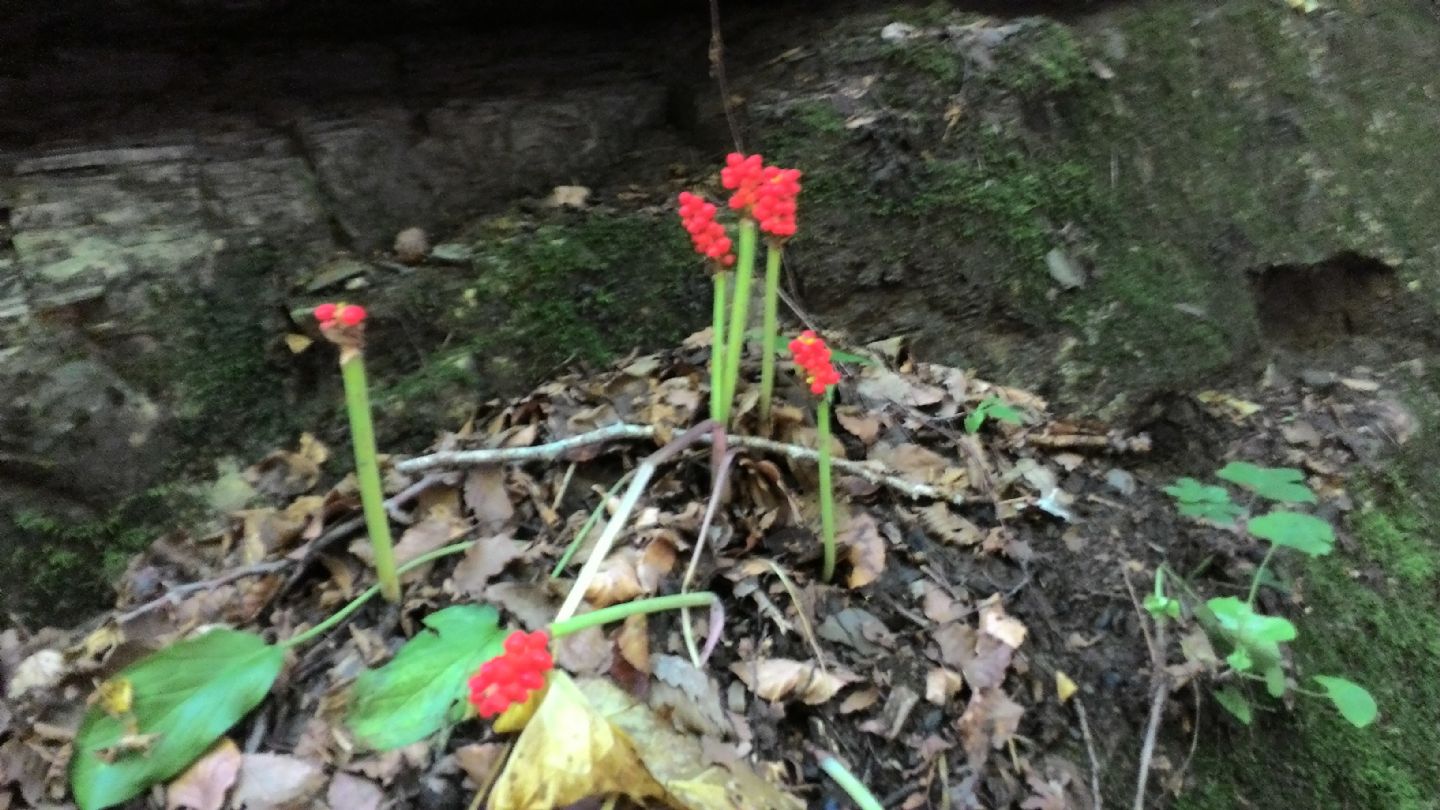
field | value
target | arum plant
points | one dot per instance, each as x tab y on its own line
344	325
1254	638
774	209
813	357
710	240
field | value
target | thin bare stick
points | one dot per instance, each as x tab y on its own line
717	68
1160	686
1090	751
871	471
538	452
173	595
617	522
716	491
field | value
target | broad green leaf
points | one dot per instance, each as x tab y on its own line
995	408
846	357
411	697
187	695
1203	501
1284	484
1159	606
974	420
1255	636
1235	702
1275	680
1353	701
1239	660
1301	532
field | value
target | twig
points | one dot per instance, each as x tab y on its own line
868	470
1179	780
1090	751
172	596
538	452
717	67
1160	686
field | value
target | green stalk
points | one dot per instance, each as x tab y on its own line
827	493
719	406
853	787
1255	583
367	471
355	604
739	310
772	307
615	613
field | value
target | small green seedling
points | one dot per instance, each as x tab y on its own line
991	407
1253	638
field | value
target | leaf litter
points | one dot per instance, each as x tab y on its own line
947	660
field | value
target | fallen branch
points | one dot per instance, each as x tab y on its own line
1090	751
868	470
1160	686
172	596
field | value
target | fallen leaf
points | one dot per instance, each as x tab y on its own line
865	549
941	685
483	562
568	197
203	785
1065	688
884	385
989	722
779	679
939	606
918	464
487	499
633	642
277	782
42	670
859	422
569	752
859	700
478	761
947	526
994	621
857	628
349	792
617	580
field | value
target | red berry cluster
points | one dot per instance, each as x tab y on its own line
775	201
766	193
510	678
330	314
813	357
707	235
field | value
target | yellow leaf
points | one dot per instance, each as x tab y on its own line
297	343
1064	687
569	752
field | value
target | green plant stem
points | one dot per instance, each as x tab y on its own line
355	604
771	319
1255	583
739	311
719	406
847	781
367	471
615	613
588	526
827	493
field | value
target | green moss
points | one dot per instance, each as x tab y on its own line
580	289
1044	59
67	570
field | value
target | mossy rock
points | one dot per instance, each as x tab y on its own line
1165	149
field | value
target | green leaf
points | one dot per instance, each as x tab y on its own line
1203	501
1158	606
1255	636
996	408
1353	701
846	357
1239	660
1275	681
410	698
1283	484
1235	702
1305	533
187	694
974	420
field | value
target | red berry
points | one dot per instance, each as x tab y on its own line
352	315
325	312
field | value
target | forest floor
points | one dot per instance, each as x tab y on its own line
981	575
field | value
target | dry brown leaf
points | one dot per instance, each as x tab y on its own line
587	652
859	700
426	536
619	578
203	785
941	685
948	527
633	642
884	385
487	498
865	549
915	463
655	562
348	792
277	782
688	696
989	722
862	424
483	562
780	679
995	622
939	606
286	474
478	761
